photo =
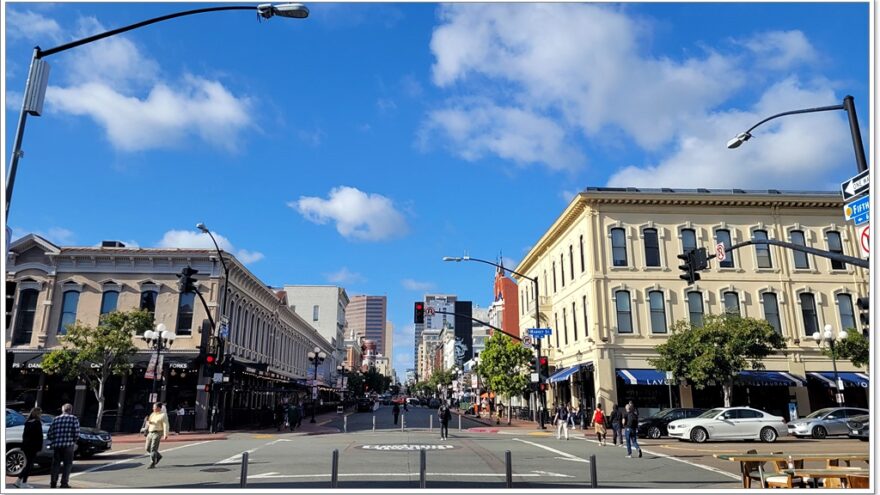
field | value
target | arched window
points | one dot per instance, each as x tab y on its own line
624	312
800	258
808	311
185	306
771	310
108	301
148	300
586	326
562	268
845	308
652	247
556	321
571	260
69	302
618	247
723	237
554	276
24	316
574	321
695	308
731	303
565	324
581	243
688	240
658	311
762	250
835	246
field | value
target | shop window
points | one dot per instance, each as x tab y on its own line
771	310
618	247
762	250
800	258
652	247
26	313
695	308
624	312
658	311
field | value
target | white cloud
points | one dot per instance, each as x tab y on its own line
567	195
56	235
31	26
789	153
358	215
415	285
781	50
345	276
199	240
386	105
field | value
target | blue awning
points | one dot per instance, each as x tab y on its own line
849	379
763	378
563	375
643	377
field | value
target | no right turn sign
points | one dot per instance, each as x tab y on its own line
865	239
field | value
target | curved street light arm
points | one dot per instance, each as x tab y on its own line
468	258
792	112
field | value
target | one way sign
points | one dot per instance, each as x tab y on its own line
855	186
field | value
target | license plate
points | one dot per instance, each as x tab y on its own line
855	432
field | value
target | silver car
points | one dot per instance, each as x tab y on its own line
824	422
15	457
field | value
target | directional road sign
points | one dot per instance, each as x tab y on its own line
855	186
540	332
527	341
859	211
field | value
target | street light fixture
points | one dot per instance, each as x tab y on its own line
317	357
160	340
537	322
38	75
828	336
848	105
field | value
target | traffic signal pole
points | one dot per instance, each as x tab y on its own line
804	249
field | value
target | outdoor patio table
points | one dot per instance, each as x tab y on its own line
819	473
761	458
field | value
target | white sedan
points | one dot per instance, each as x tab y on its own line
729	423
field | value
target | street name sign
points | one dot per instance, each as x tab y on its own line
855	186
540	332
859	211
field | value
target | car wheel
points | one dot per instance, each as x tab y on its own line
820	432
699	435
15	461
768	435
653	432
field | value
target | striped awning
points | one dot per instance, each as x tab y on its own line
642	376
563	374
850	379
764	378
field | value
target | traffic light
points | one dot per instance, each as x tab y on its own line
701	261
419	316
545	366
690	274
186	282
864	304
211	357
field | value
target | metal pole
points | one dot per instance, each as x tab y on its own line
670	396
850	107
541	392
402	422
508	469
838	390
459	422
345	424
314	386
19	135
334	470
244	468
431	423
594	482
422	468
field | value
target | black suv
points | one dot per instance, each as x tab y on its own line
655	426
364	404
91	440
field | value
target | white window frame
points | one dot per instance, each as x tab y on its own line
661	250
667	309
627	244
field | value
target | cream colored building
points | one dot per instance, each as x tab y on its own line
610	289
50	286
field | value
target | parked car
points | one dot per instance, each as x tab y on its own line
729	423
91	440
365	404
413	401
15	457
859	427
423	401
655	426
434	403
824	422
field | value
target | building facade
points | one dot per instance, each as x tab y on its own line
504	310
366	316
610	290
50	287
324	307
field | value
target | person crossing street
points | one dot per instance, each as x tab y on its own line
631	430
157	430
63	434
445	415
561	420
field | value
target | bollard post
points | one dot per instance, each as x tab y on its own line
594	483
431	423
345	424
459	422
403	422
244	467
334	470
374	423
509	469
422	468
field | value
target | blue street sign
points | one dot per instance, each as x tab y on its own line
224	331
859	211
540	332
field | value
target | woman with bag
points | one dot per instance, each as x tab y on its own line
32	442
599	424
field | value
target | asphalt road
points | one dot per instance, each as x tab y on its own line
389	458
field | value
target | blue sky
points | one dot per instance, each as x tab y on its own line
359	146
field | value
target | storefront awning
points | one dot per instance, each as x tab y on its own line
643	376
764	378
563	374
849	379
25	359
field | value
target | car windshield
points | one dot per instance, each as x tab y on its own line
820	412
662	414
711	413
14	418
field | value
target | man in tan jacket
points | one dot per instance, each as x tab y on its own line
157	430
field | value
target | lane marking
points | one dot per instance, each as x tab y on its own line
127	459
551	449
110	452
533	474
236	459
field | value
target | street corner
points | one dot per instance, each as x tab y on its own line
483	429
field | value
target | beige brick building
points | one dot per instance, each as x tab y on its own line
609	287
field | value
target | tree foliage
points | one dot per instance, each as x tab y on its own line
93	354
504	366
718	350
854	347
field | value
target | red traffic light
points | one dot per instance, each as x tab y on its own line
543	360
210	359
207	387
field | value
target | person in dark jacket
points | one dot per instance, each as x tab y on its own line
445	415
293	416
32	442
631	429
395	410
616	425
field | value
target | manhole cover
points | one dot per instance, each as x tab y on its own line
407	447
215	470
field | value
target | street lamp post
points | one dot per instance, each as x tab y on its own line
340	369
848	105
534	281
160	340
38	75
317	357
829	337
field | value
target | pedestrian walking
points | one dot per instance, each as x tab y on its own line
63	434
280	415
631	430
445	415
293	416
599	424
573	417
395	410
157	430
31	443
302	412
178	420
616	425
561	421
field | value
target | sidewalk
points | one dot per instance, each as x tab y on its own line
491	422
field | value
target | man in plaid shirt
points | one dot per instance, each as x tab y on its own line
63	434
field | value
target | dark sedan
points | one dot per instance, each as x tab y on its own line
364	405
91	440
655	426
859	427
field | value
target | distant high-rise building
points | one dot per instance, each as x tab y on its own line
388	342
323	307
366	316
440	302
